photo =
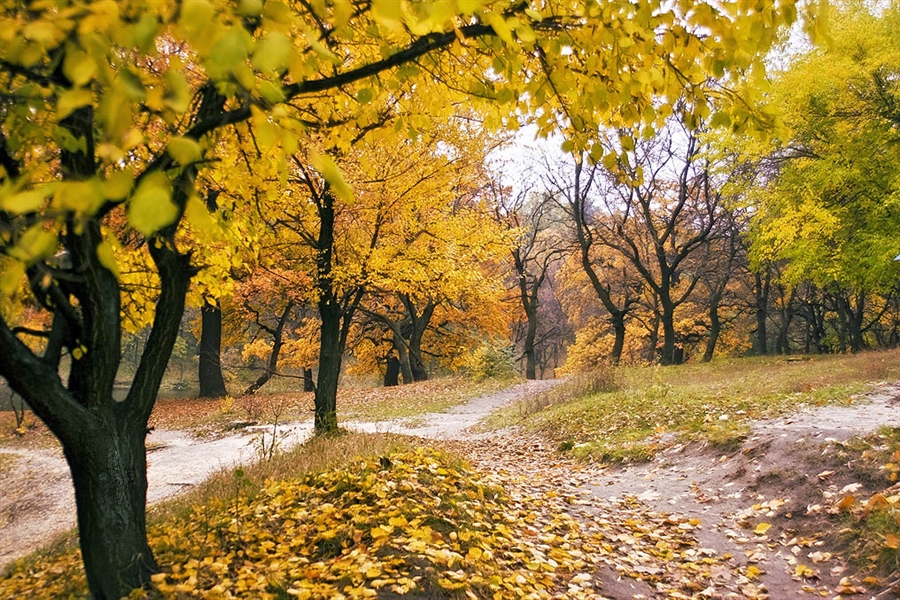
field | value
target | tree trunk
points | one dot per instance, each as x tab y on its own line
530	335
309	385
330	354
652	354
668	325
277	343
618	323
405	369
761	293
109	473
715	327
212	384
330	350
392	371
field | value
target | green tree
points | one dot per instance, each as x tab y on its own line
827	196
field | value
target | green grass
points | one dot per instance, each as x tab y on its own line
634	411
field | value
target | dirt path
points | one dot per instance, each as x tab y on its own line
786	475
706	504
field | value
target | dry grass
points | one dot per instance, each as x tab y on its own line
641	408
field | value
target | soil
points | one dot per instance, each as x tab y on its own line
788	473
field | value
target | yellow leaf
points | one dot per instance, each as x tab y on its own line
498	24
762	528
388	14
25	202
272	53
753	572
474	553
107	258
184	150
329	170
891	541
846	502
151	207
34	244
71	100
118	185
11	277
78	66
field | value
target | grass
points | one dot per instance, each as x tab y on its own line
316	523
871	527
628	413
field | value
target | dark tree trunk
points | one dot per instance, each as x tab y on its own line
530	335
212	384
109	474
392	371
618	324
405	368
309	384
330	355
667	319
330	349
418	324
652	352
761	294
715	328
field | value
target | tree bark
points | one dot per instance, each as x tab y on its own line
618	322
761	295
330	350
109	474
330	355
392	371
667	319
212	384
715	328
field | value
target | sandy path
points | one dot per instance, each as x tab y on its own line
38	502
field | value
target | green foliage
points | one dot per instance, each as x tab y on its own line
492	360
828	201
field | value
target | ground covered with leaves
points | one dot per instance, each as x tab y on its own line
418	523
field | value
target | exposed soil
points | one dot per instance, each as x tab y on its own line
787	473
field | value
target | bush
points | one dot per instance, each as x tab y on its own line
492	361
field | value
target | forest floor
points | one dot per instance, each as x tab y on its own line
758	519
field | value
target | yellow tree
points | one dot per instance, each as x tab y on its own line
99	123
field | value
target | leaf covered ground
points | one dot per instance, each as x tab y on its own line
417	523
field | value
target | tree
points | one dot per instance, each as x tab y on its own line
103	135
533	258
827	196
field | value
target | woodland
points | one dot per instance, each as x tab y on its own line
306	190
